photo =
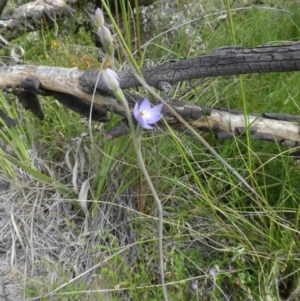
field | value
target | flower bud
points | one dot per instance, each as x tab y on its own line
110	79
106	39
99	17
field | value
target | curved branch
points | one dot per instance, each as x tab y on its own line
220	62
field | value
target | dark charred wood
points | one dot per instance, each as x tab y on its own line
227	135
281	116
118	130
31	102
242	130
220	62
2	5
7	120
82	107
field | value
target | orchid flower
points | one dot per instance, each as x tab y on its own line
146	115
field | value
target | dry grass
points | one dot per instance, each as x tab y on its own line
46	240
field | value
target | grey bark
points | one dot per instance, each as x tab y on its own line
31	17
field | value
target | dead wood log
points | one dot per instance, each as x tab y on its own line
31	17
222	123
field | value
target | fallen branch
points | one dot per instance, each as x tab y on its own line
220	62
65	85
31	17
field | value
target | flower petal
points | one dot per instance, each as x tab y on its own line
136	110
145	105
137	115
157	109
155	114
139	119
146	126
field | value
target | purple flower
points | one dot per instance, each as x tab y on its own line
145	115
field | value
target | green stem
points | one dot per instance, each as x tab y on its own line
126	21
247	131
138	32
137	145
132	61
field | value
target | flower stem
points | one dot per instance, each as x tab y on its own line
137	145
